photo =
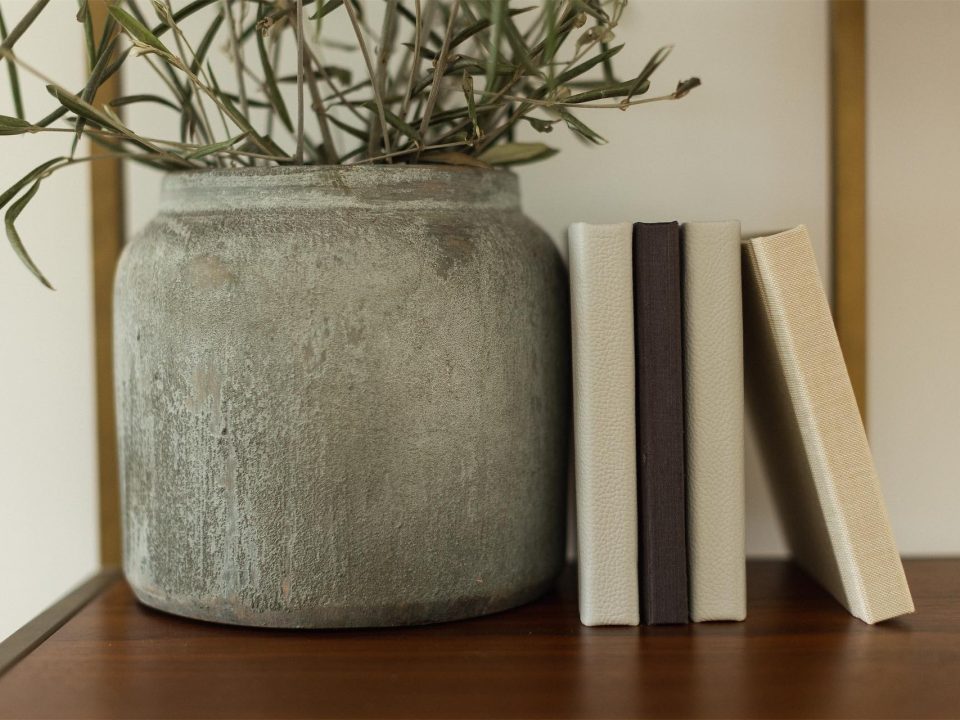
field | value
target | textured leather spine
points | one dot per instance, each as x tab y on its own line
818	458
659	361
714	400
601	294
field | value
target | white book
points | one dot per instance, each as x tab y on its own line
605	435
714	418
819	462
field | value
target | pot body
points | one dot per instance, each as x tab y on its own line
343	397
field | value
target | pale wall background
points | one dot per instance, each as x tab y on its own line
913	329
751	143
48	509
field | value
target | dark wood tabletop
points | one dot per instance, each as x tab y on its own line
798	655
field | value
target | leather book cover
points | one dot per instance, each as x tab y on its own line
660	453
714	407
605	450
812	437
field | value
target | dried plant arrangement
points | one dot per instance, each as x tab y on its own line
443	81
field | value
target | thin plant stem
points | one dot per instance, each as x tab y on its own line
298	158
334	88
237	48
409	151
383	57
415	62
330	150
358	31
440	66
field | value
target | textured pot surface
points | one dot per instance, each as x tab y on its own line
342	397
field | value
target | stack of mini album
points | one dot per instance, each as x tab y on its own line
660	320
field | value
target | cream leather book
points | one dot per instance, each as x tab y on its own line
605	431
714	411
816	450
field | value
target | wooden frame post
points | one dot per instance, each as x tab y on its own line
106	183
848	180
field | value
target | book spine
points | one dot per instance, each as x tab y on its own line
829	493
601	294
659	387
714	403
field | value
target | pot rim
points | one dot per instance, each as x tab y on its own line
413	187
281	170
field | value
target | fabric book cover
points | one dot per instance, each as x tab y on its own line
659	388
605	433
813	440
714	416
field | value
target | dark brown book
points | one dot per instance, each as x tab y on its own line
660	452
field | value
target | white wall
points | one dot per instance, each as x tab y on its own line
48	515
913	275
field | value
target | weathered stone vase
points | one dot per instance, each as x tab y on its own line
342	397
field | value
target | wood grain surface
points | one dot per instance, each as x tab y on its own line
798	655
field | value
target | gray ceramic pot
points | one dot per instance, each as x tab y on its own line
342	397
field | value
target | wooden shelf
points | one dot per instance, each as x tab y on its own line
799	654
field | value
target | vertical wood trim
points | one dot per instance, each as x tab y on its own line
106	183
848	181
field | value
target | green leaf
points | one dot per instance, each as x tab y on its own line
133	99
189	115
581	129
83	16
516	153
214	148
453	158
98	76
578	70
594	10
349	129
467	84
204	47
265	143
412	18
14	237
13	126
34	174
479	26
82	109
521	53
270	81
396	121
183	13
541	126
550	41
496	22
13	74
326	9
136	29
458	113
251	102
608	75
341	74
610	91
652	64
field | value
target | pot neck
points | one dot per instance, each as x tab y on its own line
396	186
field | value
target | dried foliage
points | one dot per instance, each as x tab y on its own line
445	81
